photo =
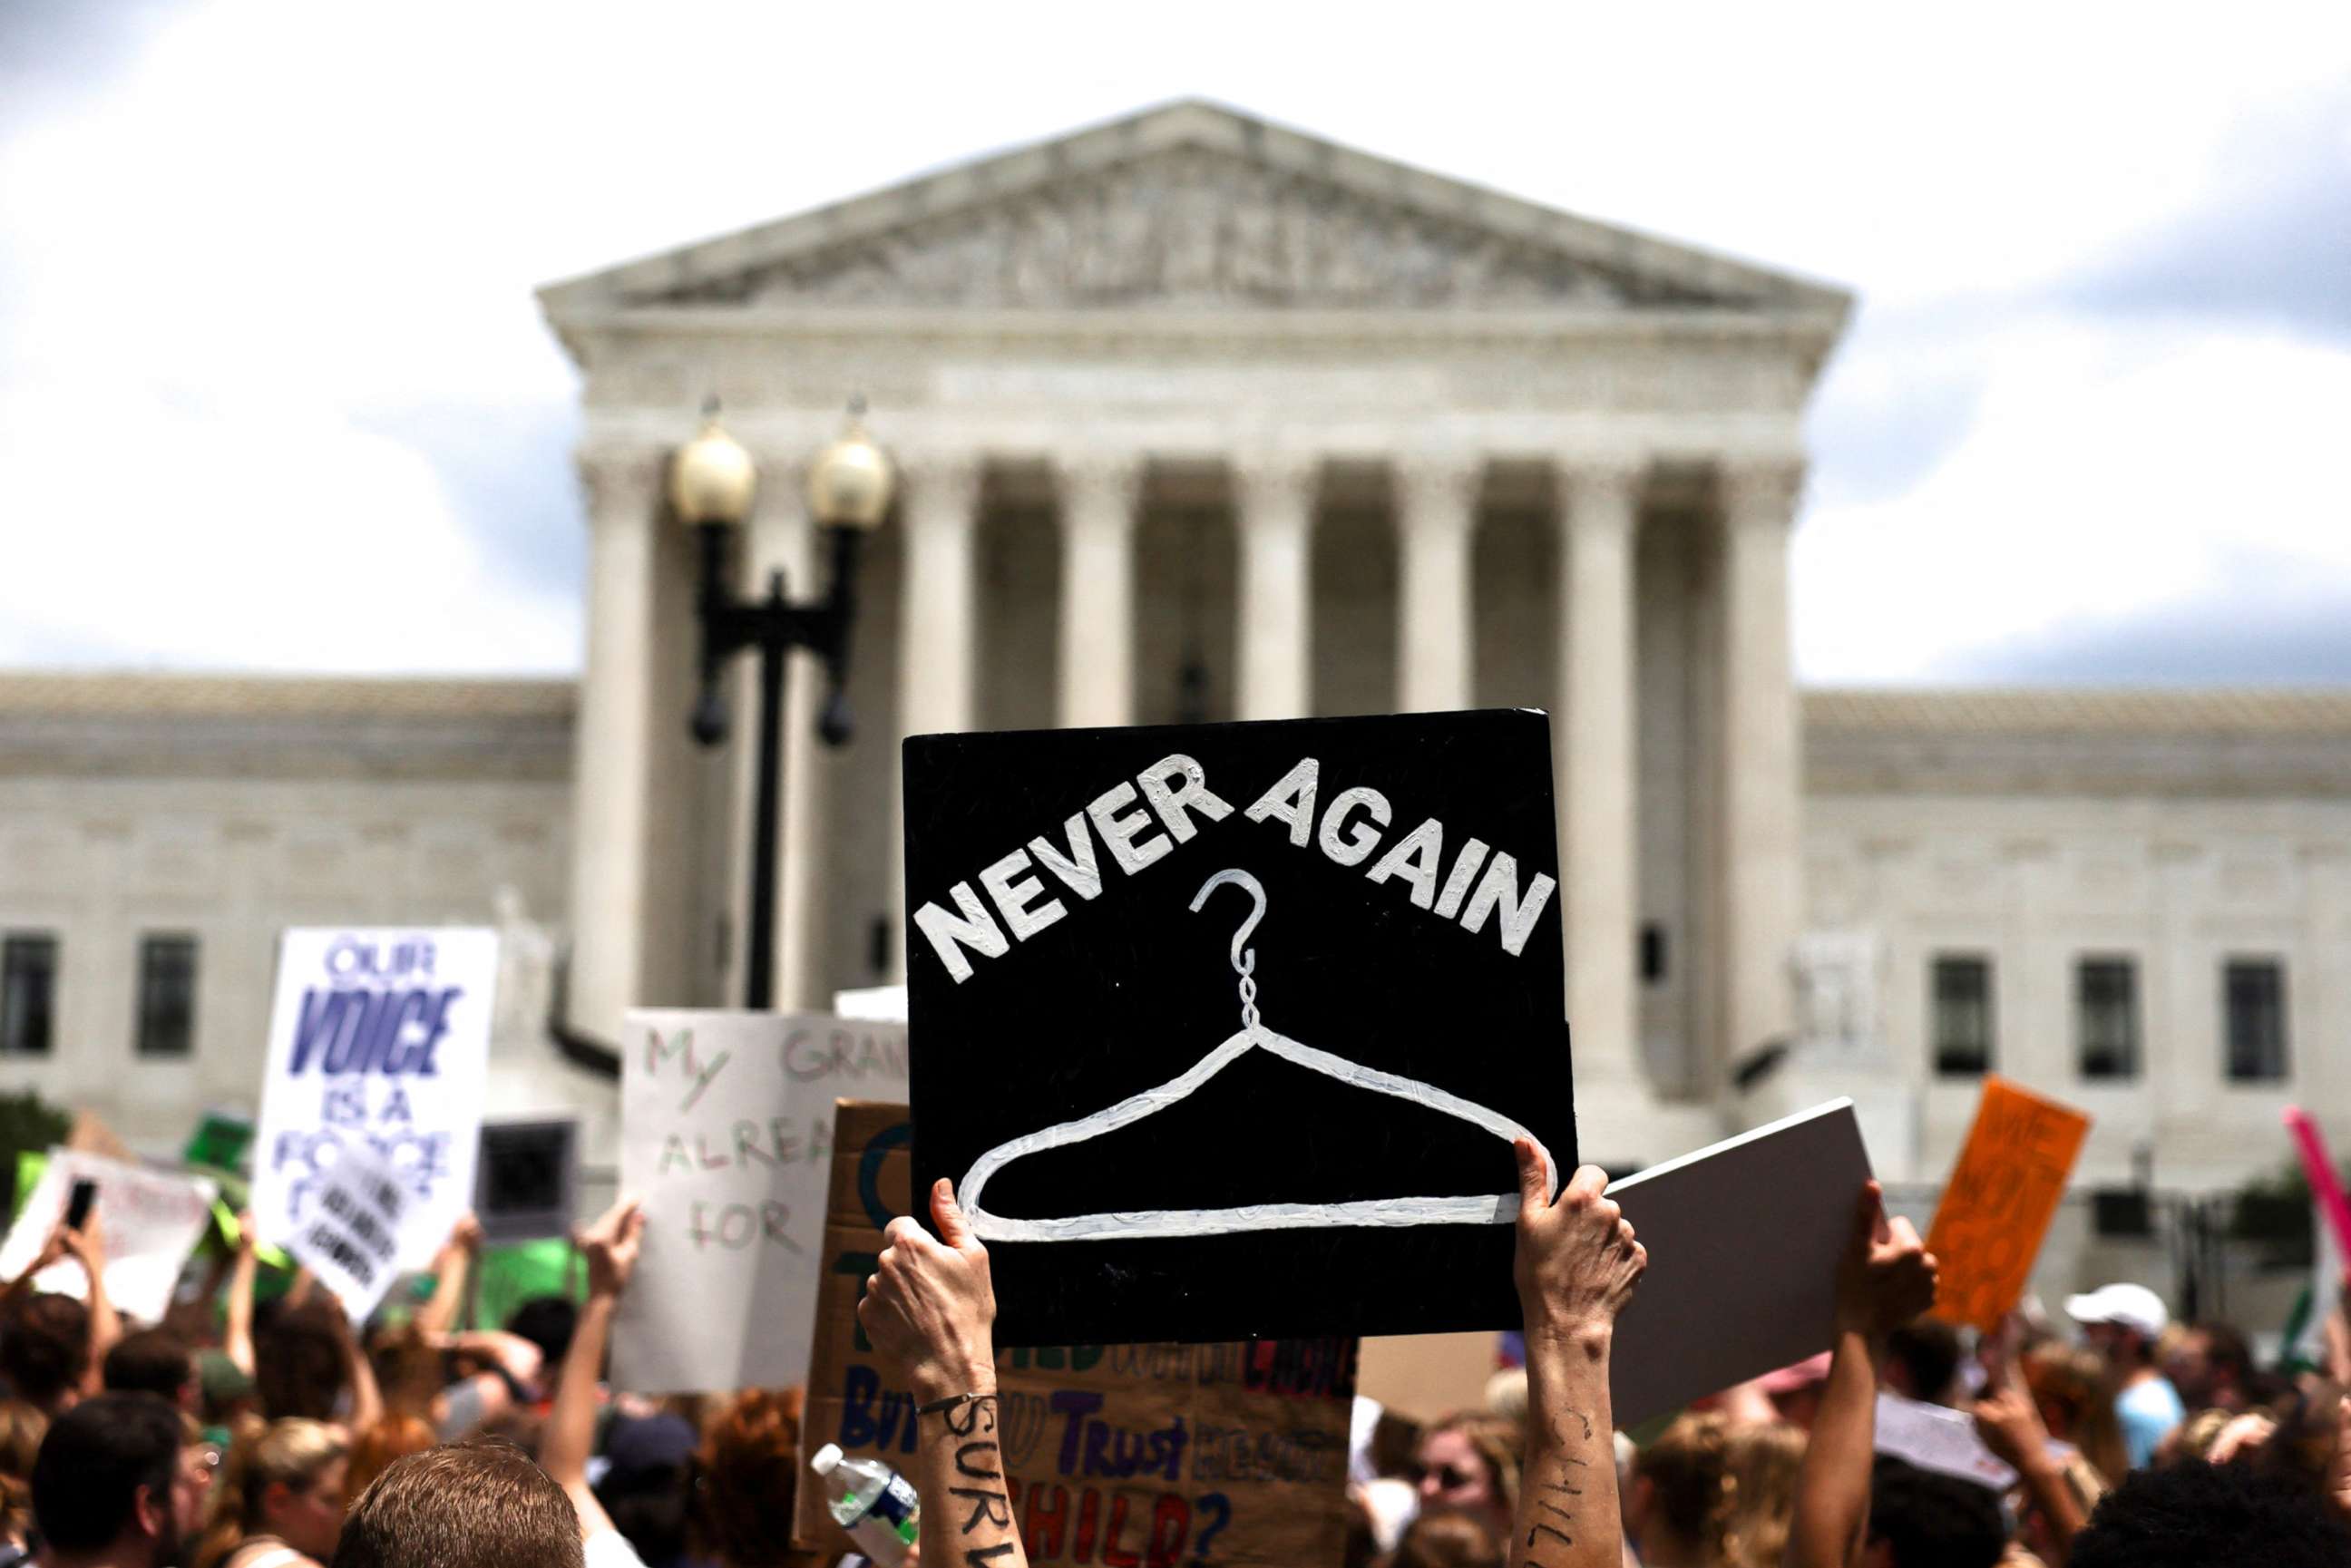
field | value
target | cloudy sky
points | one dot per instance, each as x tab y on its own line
274	392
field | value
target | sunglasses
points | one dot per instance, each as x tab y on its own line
1449	1477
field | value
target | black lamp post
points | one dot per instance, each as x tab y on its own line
711	483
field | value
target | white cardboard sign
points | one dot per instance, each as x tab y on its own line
1937	1437
378	1037
153	1221
349	1235
1744	1240
726	1124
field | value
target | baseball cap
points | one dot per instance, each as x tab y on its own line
1796	1374
2128	1305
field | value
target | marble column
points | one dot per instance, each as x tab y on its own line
1099	497
1437	511
781	537
613	750
1275	502
1761	864
938	635
1599	513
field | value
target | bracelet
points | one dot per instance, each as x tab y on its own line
952	1402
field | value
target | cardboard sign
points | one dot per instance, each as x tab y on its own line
1145	1455
1996	1207
380	1038
727	1135
1744	1240
1937	1437
351	1231
153	1221
1228	1028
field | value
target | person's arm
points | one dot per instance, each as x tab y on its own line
1576	1266
236	1335
2339	1469
450	1267
52	1250
1885	1278
930	1309
2010	1427
88	1247
611	1247
367	1399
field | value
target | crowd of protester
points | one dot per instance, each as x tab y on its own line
245	1434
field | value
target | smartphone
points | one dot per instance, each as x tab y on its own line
78	1207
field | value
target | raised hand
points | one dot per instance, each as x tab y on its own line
611	1246
929	1306
1887	1276
1577	1261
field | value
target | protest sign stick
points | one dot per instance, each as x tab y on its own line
2325	1186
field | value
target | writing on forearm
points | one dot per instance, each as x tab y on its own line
1561	1486
977	1460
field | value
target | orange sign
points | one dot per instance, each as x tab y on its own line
1996	1208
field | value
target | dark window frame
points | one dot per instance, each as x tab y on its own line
2255	1060
2116	1060
1951	1058
158	1019
28	1022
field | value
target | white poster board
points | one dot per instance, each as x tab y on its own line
379	1037
1937	1437
726	1124
152	1220
349	1235
1743	1240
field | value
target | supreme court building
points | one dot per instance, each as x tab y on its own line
1200	418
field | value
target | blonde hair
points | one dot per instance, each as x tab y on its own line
1498	1440
293	1452
23	1424
1687	1469
1760	1465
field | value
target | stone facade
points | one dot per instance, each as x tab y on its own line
1202	418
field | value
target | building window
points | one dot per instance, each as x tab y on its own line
28	992
1653	953
167	995
2105	994
1962	1014
2253	995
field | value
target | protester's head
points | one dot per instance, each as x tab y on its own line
1470	1461
2210	1365
468	1505
2190	1515
154	1361
2121	1320
1796	1390
392	1436
647	1485
1680	1504
749	1473
1449	1538
299	1364
2074	1393
22	1427
548	1322
1760	1465
1923	1360
1920	1520
45	1350
229	1396
110	1479
286	1479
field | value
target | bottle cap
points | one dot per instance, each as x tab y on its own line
825	1459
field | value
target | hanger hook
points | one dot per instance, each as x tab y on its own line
1256	890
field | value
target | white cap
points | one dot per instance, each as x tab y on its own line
825	1459
2127	1305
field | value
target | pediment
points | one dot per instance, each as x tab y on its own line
1189	208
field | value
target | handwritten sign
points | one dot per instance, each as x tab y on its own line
153	1221
349	1236
379	1038
2002	1193
727	1135
1233	1025
1145	1455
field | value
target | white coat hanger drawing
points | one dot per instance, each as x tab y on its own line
1148	1224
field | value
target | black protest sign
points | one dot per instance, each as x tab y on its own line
1223	1031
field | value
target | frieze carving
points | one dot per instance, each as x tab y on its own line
1188	227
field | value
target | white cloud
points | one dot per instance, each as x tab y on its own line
274	217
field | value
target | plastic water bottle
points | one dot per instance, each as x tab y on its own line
873	1502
